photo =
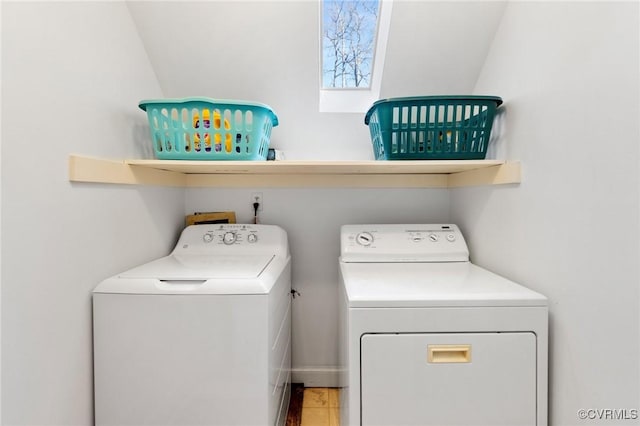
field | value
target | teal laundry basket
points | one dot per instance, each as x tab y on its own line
200	128
432	127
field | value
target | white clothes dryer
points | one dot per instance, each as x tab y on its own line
428	338
199	337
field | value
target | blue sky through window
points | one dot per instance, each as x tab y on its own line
348	42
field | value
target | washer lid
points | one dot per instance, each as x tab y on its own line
201	267
378	285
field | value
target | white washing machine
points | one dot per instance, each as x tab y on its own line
199	337
428	338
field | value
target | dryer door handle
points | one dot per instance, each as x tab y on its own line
446	354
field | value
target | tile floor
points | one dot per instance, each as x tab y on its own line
321	407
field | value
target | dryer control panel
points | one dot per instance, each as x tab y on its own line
403	243
233	239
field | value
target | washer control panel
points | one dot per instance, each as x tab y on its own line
403	243
232	238
230	235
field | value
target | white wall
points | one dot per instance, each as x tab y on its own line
72	75
569	74
312	219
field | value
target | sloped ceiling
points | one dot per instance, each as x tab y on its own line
231	46
439	47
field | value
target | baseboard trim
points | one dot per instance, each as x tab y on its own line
316	377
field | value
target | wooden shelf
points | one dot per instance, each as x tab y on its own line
348	174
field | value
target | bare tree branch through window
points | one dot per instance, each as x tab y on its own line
348	42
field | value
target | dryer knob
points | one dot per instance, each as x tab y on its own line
364	239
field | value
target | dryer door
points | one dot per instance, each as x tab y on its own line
448	379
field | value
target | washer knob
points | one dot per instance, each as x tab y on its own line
364	239
229	238
451	237
208	237
433	237
252	238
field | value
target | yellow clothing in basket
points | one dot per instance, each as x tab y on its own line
216	137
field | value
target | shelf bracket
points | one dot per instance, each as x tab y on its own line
98	170
502	174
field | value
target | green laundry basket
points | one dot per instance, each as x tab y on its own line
432	127
201	128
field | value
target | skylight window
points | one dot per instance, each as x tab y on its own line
349	30
353	43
